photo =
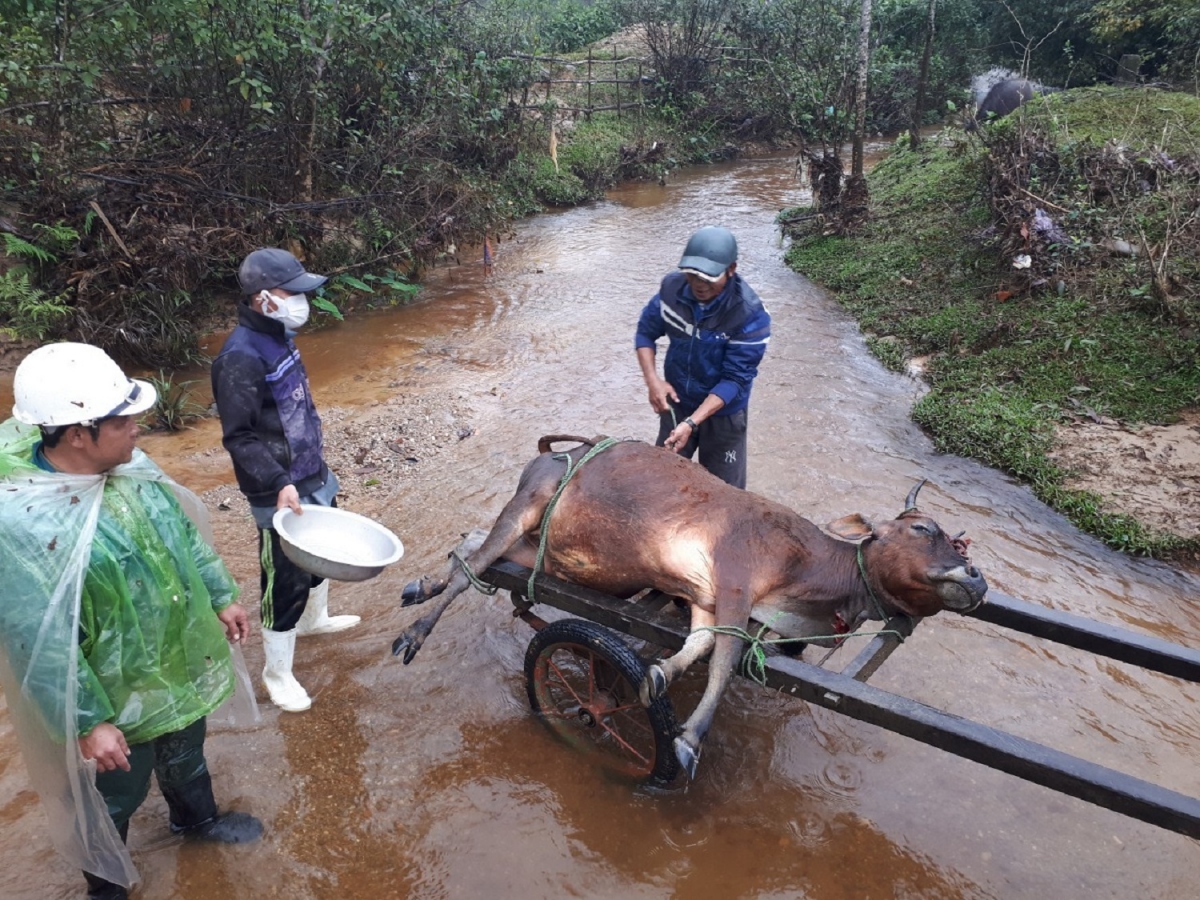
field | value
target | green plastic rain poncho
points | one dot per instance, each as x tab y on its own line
107	614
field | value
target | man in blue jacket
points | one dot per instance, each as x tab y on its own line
717	331
271	429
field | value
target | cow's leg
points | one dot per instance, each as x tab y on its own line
521	515
726	651
506	532
430	586
661	674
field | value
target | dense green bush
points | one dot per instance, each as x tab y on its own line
558	186
360	130
571	24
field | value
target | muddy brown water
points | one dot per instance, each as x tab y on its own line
433	781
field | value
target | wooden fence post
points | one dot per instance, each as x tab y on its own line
589	84
616	81
588	103
641	94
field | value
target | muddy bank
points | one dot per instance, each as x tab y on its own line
1150	473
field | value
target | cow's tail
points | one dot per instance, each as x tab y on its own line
544	444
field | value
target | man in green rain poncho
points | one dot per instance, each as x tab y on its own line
115	616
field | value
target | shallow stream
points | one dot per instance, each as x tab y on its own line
433	780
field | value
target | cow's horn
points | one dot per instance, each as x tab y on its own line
911	502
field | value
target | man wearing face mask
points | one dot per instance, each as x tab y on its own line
273	434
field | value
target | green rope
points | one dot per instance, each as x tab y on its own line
755	657
572	468
482	586
862	569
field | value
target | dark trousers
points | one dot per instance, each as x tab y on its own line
99	888
176	759
721	441
284	584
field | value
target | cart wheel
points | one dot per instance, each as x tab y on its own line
583	683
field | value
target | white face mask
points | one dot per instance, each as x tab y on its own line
291	312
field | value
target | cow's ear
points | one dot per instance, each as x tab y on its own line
851	528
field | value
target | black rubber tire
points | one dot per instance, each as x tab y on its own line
582	681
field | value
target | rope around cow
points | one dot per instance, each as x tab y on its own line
572	467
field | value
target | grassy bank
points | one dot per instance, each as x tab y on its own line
1050	270
592	155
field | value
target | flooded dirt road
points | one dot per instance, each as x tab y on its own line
433	781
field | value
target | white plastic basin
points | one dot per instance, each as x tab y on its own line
334	543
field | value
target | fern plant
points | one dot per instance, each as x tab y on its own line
32	314
19	248
57	239
29	311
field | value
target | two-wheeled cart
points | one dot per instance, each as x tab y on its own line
582	679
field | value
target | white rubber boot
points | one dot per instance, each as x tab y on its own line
286	692
316	618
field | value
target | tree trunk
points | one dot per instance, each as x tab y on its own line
922	79
860	100
825	176
314	99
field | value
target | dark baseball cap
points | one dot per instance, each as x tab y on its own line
709	253
273	268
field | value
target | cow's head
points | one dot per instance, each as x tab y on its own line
918	567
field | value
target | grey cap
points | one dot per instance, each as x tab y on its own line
709	252
273	268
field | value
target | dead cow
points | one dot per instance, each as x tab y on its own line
637	516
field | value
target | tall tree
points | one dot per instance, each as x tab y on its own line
860	94
855	200
923	78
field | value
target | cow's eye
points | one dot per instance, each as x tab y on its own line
923	528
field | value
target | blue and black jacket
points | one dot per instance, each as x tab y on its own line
714	348
269	424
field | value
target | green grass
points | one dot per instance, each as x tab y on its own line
1100	114
1010	362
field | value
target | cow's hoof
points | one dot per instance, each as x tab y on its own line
653	686
412	594
688	756
406	644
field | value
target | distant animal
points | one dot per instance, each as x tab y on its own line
637	516
1004	97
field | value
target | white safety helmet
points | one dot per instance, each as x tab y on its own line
75	384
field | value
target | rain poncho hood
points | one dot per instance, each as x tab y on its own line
107	615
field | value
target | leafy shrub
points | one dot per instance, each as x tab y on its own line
592	153
31	313
573	24
559	187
